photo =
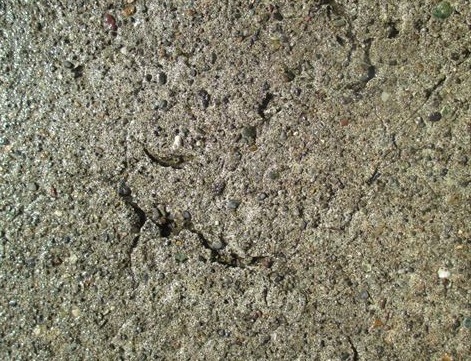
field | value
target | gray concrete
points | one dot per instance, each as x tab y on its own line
237	181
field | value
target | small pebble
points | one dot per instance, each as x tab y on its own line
32	187
37	330
162	104
233	204
67	64
218	187
177	142
467	322
274	175
339	22
288	75
204	98
262	196
216	245
277	15
180	257
75	312
162	78
110	22
249	133
435	117
385	96
124	190
443	273
129	10
224	333
186	215
443	10
364	295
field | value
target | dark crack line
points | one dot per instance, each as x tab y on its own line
354	350
433	89
262	107
376	174
232	259
142	218
174	161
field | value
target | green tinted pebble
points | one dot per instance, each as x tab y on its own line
467	322
442	10
180	257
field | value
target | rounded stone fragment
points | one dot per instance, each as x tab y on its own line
204	98
233	204
162	78
435	117
443	10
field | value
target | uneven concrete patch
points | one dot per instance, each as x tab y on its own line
248	180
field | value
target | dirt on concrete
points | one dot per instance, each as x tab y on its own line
235	180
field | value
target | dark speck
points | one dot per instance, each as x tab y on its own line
77	71
249	133
124	190
204	98
162	78
218	187
435	117
277	15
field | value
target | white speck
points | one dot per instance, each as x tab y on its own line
385	96
178	142
443	273
75	312
37	330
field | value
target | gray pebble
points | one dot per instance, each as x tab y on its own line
233	204
224	333
32	187
288	75
186	215
217	245
262	196
67	64
364	295
435	117
162	78
162	104
204	98
218	187
124	190
249	133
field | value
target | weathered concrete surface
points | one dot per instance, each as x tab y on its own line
238	181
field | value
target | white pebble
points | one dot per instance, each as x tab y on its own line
177	143
385	96
443	273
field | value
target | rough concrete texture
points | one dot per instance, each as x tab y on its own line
235	180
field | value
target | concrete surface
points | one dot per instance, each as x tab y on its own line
235	180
